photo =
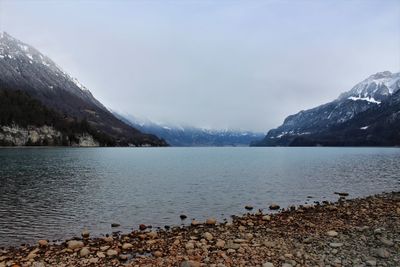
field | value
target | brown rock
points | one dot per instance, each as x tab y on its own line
74	244
195	223
112	253
127	246
84	252
43	243
157	254
85	233
211	221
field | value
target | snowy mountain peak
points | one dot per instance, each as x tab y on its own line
375	88
21	59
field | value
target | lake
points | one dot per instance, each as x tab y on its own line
54	193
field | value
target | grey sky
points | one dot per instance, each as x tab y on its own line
221	64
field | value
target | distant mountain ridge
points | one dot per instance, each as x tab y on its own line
24	68
317	126
192	136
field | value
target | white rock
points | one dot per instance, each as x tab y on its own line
332	233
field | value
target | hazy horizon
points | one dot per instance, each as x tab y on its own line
227	64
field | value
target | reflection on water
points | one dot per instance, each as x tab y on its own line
56	192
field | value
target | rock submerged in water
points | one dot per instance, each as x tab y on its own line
274	206
183	217
248	207
142	227
341	194
85	233
115	225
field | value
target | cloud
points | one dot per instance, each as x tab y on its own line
224	64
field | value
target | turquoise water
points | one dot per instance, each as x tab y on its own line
54	193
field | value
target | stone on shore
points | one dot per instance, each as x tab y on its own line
152	234
268	264
74	244
190	264
112	253
220	243
195	223
208	236
84	252
108	239
335	245
382	253
211	221
33	254
332	233
127	246
189	245
43	243
123	257
157	254
266	218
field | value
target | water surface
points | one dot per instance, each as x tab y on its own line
54	193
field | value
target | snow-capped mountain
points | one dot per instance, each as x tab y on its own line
371	93
177	135
375	88
23	65
24	68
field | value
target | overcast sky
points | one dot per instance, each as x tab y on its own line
219	64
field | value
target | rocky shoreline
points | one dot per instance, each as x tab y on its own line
356	232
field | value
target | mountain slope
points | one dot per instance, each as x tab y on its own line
26	121
24	68
192	136
334	123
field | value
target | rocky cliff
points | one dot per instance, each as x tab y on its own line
15	135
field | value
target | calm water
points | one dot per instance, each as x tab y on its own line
56	192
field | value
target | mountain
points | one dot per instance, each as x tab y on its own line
25	121
365	115
192	136
24	68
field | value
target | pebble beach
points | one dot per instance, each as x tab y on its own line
349	232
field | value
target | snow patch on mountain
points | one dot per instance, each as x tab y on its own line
368	99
